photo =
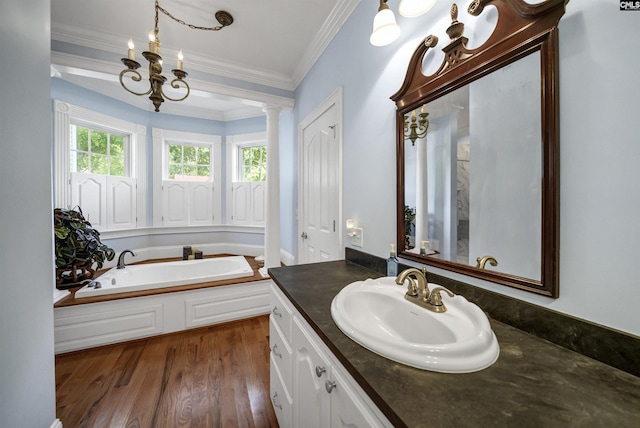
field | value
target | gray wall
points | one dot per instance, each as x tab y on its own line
27	381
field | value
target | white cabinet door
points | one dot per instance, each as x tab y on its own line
311	372
280	399
347	410
322	394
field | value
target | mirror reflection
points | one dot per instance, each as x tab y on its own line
473	173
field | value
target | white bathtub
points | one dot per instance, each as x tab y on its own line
167	274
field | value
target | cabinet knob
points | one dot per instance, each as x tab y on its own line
276	312
276	352
275	401
329	386
320	370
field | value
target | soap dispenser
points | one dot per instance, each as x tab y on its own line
392	262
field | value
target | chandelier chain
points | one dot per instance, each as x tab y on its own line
180	21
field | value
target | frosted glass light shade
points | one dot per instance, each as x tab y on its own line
385	29
413	8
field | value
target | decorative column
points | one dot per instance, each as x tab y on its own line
422	199
62	174
272	218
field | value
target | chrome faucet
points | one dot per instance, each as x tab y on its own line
419	293
121	258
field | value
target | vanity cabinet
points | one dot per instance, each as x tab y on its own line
309	387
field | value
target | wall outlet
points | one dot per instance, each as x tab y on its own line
357	237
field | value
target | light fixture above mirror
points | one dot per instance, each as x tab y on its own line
413	8
385	28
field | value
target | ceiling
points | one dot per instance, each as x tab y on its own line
270	43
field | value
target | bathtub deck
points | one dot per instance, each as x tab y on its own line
70	300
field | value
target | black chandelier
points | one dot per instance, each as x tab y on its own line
156	79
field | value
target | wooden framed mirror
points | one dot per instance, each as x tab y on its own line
478	150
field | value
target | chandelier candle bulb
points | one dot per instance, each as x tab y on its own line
154	43
131	53
180	58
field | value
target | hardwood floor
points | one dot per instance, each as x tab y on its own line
209	377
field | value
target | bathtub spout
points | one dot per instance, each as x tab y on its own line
121	258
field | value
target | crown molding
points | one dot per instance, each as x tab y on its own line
338	16
115	43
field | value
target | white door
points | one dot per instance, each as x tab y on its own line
320	229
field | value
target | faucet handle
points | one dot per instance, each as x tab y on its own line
435	298
412	288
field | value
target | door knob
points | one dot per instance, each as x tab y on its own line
320	370
304	235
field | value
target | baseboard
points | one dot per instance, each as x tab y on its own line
286	258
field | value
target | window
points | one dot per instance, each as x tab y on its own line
189	163
252	163
98	152
186	178
100	167
246	178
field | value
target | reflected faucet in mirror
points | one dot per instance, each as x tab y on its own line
483	260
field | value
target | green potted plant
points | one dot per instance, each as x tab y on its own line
78	248
409	225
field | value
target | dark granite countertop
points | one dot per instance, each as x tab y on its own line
534	383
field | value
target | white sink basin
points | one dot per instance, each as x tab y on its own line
375	314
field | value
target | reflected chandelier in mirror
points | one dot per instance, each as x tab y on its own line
483	190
